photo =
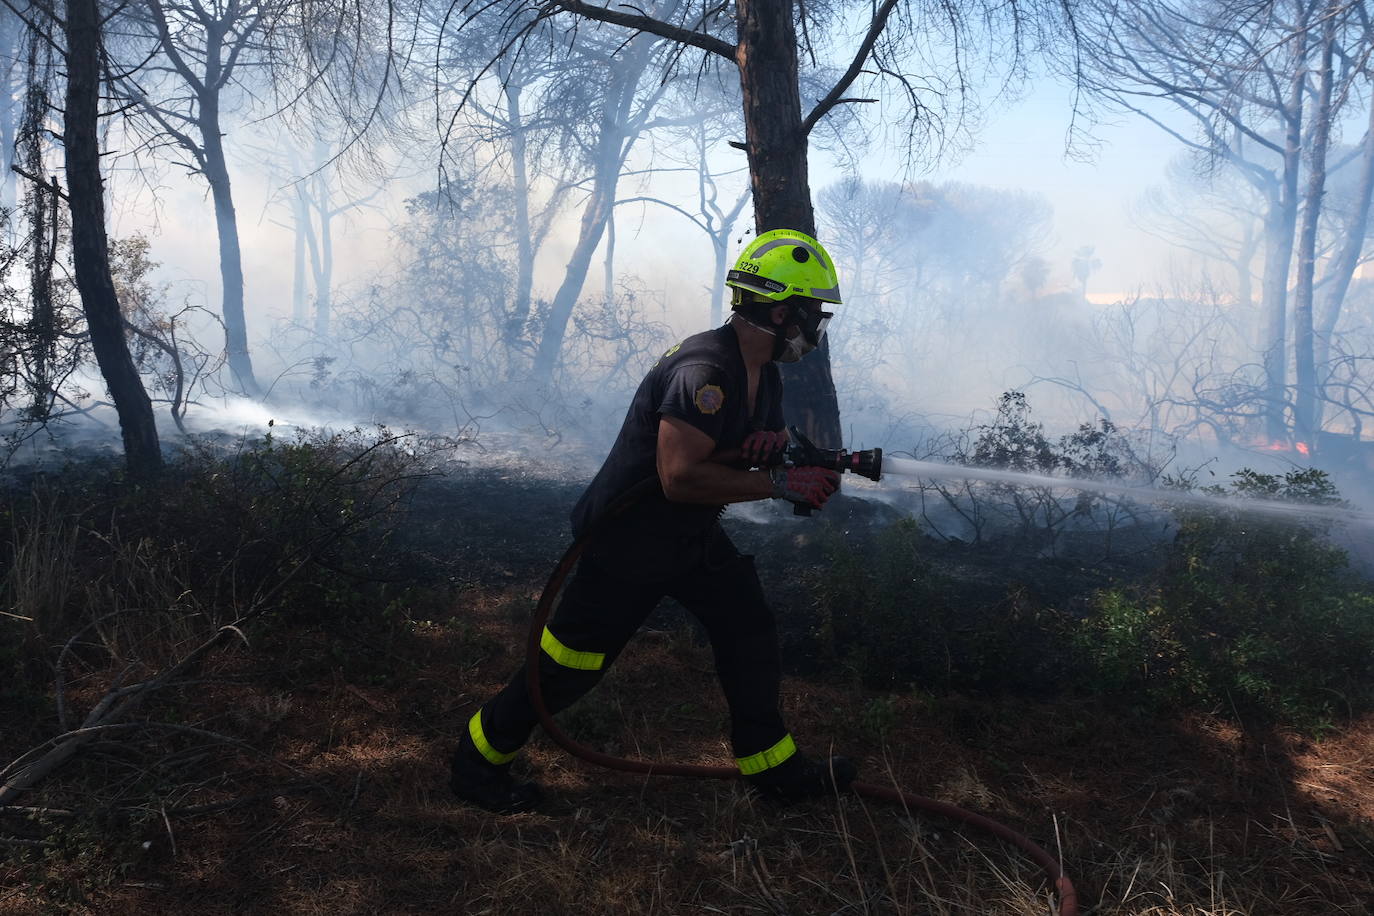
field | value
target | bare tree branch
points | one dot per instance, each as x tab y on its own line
835	96
653	26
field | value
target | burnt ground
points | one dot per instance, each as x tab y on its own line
333	798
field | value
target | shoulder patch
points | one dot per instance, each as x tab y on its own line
709	398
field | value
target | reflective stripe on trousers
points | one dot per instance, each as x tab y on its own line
570	658
479	738
767	759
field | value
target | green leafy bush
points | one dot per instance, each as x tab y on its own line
890	615
1249	613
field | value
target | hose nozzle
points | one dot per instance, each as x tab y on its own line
802	451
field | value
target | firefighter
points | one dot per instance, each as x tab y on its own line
715	391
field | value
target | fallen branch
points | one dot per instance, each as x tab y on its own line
111	713
19	772
121	703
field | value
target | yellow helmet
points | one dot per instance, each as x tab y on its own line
783	263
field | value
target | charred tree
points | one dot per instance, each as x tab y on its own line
714	214
199	50
1352	227
1341	269
1239	73
42	210
90	245
776	144
314	191
216	170
523	231
618	126
12	39
335	56
1280	225
300	228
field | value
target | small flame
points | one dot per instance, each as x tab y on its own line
1302	447
1273	447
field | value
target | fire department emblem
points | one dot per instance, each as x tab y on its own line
709	398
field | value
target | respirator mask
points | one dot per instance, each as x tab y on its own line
811	323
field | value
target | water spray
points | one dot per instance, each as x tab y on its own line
935	470
873	464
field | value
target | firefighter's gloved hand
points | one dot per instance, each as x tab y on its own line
764	448
805	486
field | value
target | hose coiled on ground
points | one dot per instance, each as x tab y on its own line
1064	889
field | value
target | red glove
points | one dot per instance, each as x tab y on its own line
805	486
763	448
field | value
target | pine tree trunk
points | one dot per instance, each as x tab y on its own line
301	214
324	277
767	57
1342	267
719	245
1305	403
611	150
230	254
1280	228
11	88
90	245
593	226
608	266
524	234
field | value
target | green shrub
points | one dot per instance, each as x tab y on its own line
893	618
1249	614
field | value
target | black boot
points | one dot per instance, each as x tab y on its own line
477	781
799	778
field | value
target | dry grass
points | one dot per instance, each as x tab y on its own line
39	588
333	797
345	809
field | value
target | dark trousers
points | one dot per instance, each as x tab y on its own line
599	613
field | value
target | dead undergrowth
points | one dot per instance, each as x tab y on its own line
309	776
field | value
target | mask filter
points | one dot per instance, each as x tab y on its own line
794	349
810	319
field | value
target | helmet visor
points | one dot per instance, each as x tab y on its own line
813	320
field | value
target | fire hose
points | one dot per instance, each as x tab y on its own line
868	463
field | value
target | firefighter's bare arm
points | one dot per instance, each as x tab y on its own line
689	476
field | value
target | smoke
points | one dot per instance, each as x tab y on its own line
1011	267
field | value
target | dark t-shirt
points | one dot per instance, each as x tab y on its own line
703	382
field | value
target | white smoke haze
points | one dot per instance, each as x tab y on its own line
1102	277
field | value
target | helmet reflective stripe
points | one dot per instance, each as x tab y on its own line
791	243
